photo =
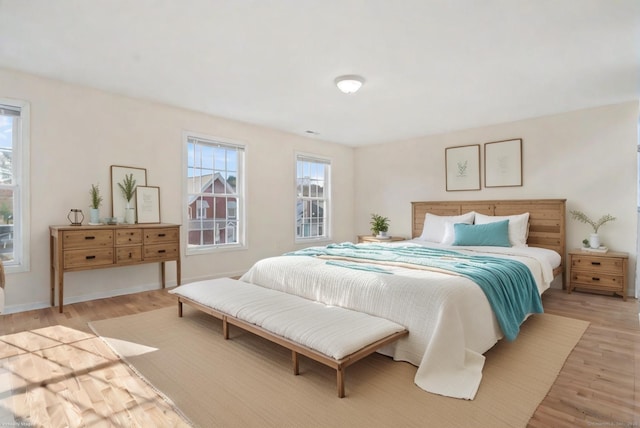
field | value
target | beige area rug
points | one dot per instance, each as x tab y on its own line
248	382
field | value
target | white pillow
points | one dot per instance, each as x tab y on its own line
435	225
518	226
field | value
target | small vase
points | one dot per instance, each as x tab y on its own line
594	240
130	216
381	235
94	216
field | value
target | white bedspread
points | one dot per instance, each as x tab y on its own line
449	319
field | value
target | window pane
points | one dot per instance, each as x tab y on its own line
311	206
214	200
7	124
12	118
6	225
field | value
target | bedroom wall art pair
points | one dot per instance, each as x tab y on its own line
502	165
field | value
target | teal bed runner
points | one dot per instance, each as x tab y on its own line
508	284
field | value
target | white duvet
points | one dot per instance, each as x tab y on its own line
449	319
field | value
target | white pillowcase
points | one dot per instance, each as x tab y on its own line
518	226
435	225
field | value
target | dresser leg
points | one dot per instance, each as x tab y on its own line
60	291
162	272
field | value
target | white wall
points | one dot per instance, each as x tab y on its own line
587	157
77	133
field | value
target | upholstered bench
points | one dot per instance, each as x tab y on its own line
331	335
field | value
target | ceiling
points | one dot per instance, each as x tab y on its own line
430	66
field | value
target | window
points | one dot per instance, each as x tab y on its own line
14	195
312	197
215	200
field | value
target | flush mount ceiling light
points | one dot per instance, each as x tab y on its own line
349	83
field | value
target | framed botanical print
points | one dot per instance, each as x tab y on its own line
148	204
503	163
462	167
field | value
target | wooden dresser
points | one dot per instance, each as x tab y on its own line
76	248
598	271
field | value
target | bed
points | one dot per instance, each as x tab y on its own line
450	320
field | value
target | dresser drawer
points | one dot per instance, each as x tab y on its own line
161	235
88	258
605	282
599	264
161	252
131	254
128	236
87	239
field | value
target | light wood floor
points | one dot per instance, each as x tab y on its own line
600	380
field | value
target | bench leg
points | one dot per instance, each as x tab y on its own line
179	308
296	366
340	380
225	328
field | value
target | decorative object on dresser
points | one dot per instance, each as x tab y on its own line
123	177
128	188
96	201
379	226
76	248
594	238
148	204
462	167
503	163
372	238
75	217
598	271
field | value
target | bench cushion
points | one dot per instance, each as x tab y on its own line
333	331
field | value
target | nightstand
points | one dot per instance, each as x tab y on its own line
371	238
598	271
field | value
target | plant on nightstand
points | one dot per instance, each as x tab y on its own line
594	239
128	187
379	225
96	201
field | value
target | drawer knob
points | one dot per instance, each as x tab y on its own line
90	257
162	251
162	235
595	263
130	255
595	279
89	237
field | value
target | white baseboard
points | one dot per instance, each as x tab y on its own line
12	309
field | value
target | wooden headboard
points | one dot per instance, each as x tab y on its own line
546	219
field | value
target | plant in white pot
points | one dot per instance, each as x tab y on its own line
128	188
96	201
379	226
594	238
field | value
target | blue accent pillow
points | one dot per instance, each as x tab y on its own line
494	234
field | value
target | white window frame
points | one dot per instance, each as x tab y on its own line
241	210
327	199
21	188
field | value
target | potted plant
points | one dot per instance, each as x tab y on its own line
96	201
128	187
594	239
379	226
